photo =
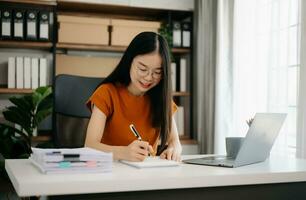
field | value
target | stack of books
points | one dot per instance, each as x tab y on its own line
77	160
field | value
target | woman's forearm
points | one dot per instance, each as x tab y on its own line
116	150
174	137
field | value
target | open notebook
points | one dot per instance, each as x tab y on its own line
152	162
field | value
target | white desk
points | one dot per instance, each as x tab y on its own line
28	181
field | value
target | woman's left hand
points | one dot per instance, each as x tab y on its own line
173	152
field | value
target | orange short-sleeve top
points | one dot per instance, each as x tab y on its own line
122	109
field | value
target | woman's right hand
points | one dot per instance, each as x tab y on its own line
136	151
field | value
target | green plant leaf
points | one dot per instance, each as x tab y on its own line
13	117
45	91
16	116
21	148
166	32
41	115
22	113
45	103
4	131
36	98
29	100
11	144
21	103
24	102
41	93
6	148
7	131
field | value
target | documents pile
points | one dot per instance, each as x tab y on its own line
76	160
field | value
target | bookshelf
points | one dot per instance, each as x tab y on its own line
25	47
112	11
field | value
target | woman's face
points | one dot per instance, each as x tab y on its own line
146	72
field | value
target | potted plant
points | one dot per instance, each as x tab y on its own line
166	32
27	112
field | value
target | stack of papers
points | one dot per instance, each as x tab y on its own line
149	162
77	160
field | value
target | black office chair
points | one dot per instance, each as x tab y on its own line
71	116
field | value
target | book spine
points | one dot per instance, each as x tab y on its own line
19	73
11	81
183	74
34	72
173	76
42	72
27	72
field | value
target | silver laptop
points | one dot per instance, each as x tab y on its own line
256	146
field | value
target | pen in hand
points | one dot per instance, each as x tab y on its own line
136	133
133	129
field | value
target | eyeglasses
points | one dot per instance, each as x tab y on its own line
145	72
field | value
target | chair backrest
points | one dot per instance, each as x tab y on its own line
71	114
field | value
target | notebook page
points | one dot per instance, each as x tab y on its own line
152	162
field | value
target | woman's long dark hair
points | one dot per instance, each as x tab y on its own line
160	95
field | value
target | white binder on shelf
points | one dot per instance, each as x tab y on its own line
186	31
44	26
173	76
18	24
176	34
183	75
27	72
34	73
6	19
19	73
42	72
11	76
31	21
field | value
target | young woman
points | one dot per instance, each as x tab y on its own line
137	92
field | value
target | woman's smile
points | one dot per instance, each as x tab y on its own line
145	85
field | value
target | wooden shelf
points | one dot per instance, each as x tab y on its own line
181	50
90	47
15	91
120	49
180	94
25	44
185	140
36	2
